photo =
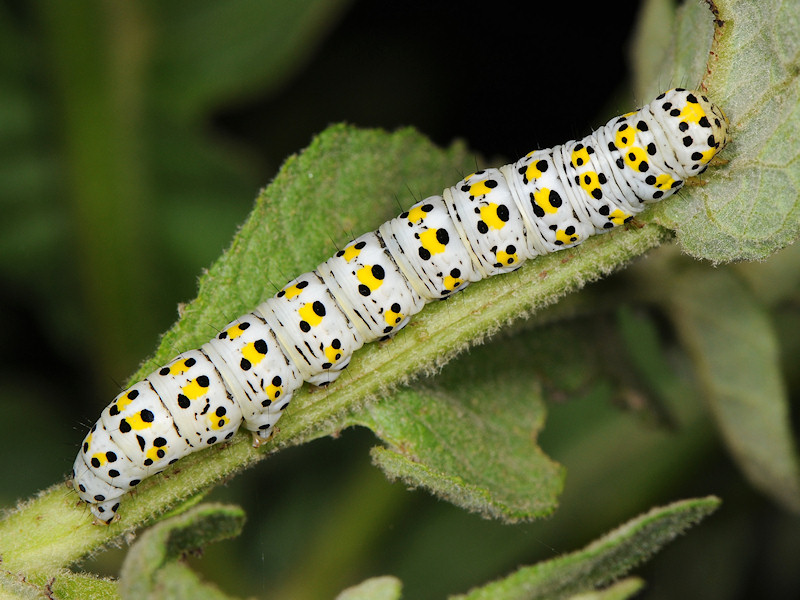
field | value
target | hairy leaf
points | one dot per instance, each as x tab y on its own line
602	561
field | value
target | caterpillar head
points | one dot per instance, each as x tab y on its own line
696	128
719	122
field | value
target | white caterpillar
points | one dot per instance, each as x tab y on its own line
488	223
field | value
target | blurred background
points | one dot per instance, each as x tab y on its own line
134	138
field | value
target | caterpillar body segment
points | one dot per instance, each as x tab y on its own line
427	248
369	286
487	224
260	374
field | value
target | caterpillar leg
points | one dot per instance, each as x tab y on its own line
261	437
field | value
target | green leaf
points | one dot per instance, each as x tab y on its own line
66	585
602	561
377	588
14	588
735	353
472	440
151	569
746	209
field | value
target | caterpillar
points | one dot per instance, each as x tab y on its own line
489	223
